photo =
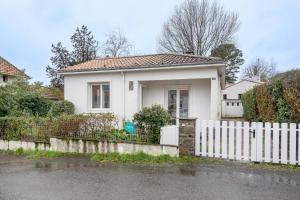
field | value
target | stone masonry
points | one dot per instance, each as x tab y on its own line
187	136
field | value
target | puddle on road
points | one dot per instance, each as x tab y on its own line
227	173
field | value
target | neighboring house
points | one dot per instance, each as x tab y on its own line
231	98
8	72
185	85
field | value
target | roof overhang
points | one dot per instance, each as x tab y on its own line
218	65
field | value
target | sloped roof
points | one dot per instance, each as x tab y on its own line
9	69
142	61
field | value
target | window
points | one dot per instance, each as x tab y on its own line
100	96
178	104
232	104
224	96
5	78
227	104
240	96
238	104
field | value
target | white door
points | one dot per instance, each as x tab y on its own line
178	104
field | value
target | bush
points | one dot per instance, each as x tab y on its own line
61	108
276	101
34	104
264	104
149	121
249	105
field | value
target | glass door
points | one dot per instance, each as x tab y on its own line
178	104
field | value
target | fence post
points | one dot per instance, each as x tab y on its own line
187	136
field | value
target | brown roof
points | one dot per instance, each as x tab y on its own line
8	69
143	61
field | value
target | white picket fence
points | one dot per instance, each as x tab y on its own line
255	141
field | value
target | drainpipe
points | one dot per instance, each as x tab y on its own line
124	87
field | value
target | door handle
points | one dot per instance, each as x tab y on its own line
253	133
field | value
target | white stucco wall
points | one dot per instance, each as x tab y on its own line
205	94
232	106
9	80
239	88
199	95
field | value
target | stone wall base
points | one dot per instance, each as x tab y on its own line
85	146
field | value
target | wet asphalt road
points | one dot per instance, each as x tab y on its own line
79	178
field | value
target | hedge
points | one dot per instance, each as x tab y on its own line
275	101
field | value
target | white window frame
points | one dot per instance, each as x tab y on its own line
90	99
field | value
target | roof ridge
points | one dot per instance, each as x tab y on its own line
156	54
13	66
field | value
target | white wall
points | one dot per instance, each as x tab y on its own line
239	88
76	90
199	104
232	92
10	80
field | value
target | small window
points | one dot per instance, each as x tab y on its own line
224	96
240	96
238	104
5	78
232	104
100	96
227	104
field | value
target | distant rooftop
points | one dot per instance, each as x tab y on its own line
9	69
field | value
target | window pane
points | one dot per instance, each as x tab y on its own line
105	96
172	104
95	96
184	103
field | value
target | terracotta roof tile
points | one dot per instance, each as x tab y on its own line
8	69
143	61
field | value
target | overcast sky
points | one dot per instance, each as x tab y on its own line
269	28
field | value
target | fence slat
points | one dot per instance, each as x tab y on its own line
298	144
284	136
231	140
224	139
210	138
275	143
293	138
238	140
253	141
203	141
259	140
197	138
267	142
217	139
246	140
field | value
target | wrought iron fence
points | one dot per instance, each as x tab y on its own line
100	128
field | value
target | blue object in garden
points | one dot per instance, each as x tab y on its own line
129	127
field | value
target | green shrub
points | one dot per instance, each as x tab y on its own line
34	104
249	105
149	121
265	106
61	108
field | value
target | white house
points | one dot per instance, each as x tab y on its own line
185	85
231	98
8	72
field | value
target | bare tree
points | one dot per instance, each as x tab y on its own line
198	26
116	44
260	69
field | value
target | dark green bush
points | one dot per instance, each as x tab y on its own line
276	101
61	108
34	104
250	106
149	121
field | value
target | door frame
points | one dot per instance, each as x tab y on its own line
178	88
